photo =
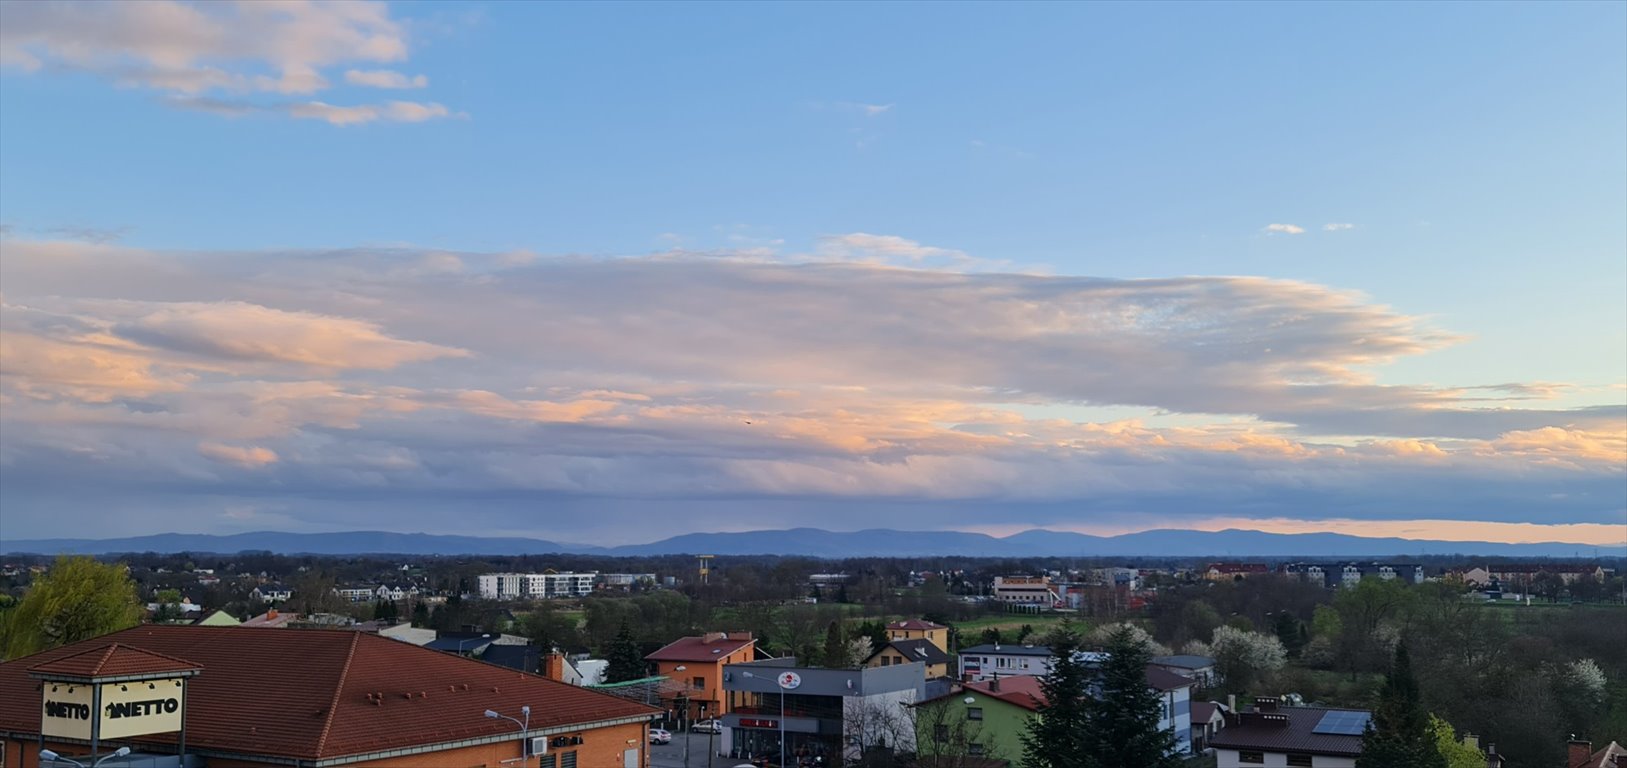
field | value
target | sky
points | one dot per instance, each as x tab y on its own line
606	273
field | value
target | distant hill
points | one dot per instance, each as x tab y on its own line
813	542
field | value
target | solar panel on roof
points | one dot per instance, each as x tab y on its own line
1343	723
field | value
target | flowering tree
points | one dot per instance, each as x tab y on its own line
1242	657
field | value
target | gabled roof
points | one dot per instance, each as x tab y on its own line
1184	661
111	660
1008	650
1604	758
919	649
915	624
319	694
704	648
1203	712
1165	680
1287	729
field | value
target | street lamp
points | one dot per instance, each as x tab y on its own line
46	754
525	727
685	696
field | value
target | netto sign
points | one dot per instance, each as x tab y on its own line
67	710
137	708
146	706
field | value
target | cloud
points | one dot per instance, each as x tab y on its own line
385	78
194	52
250	457
394	112
97	235
420	380
871	110
1337	227
1286	229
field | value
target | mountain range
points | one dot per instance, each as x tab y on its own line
813	542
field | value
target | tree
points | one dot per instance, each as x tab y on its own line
79	598
1104	635
386	610
945	738
1456	753
836	651
420	614
625	662
991	636
1056	735
1024	632
1123	727
1243	658
1291	631
1399	735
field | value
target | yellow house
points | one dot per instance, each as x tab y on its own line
920	629
910	651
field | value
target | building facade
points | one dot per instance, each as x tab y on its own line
778	708
694	668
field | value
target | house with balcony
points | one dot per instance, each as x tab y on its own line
694	669
982	662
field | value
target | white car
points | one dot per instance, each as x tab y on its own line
660	736
707	726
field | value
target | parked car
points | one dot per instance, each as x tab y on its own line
707	726
660	736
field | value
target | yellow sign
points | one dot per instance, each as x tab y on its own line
141	707
67	710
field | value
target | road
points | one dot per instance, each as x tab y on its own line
672	755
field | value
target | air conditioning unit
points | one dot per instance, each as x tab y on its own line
539	745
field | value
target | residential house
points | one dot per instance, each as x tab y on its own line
272	619
694	668
1235	571
1580	754
1273	735
834	715
1200	669
395	592
270	593
910	651
920	629
996	711
216	618
357	593
982	662
1208	718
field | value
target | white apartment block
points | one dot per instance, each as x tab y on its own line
513	586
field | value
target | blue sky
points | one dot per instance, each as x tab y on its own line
1449	176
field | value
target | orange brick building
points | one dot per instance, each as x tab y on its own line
317	698
701	679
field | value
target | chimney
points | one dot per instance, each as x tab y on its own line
1265	703
712	637
1493	760
994	684
553	666
1577	753
1231	702
1471	740
271	614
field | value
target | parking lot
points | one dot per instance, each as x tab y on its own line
672	755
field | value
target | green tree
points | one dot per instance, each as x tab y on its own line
836	653
420	614
626	663
386	610
1056	735
991	636
1291	631
1123	727
79	598
1456	753
1399	735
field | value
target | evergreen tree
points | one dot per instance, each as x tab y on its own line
1291	632
1399	735
626	663
1123	727
420	614
835	646
1056	735
386	610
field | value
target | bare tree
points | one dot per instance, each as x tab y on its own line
944	738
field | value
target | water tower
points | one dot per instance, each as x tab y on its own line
705	566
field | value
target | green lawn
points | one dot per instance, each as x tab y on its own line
1009	623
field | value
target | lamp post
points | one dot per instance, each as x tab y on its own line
525	727
684	695
46	754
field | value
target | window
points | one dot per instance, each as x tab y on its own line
567	760
940	732
1255	758
1299	759
974	750
548	761
974	713
700	683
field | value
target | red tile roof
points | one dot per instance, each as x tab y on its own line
316	694
915	624
112	660
701	649
1604	758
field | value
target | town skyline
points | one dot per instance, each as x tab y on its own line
519	268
